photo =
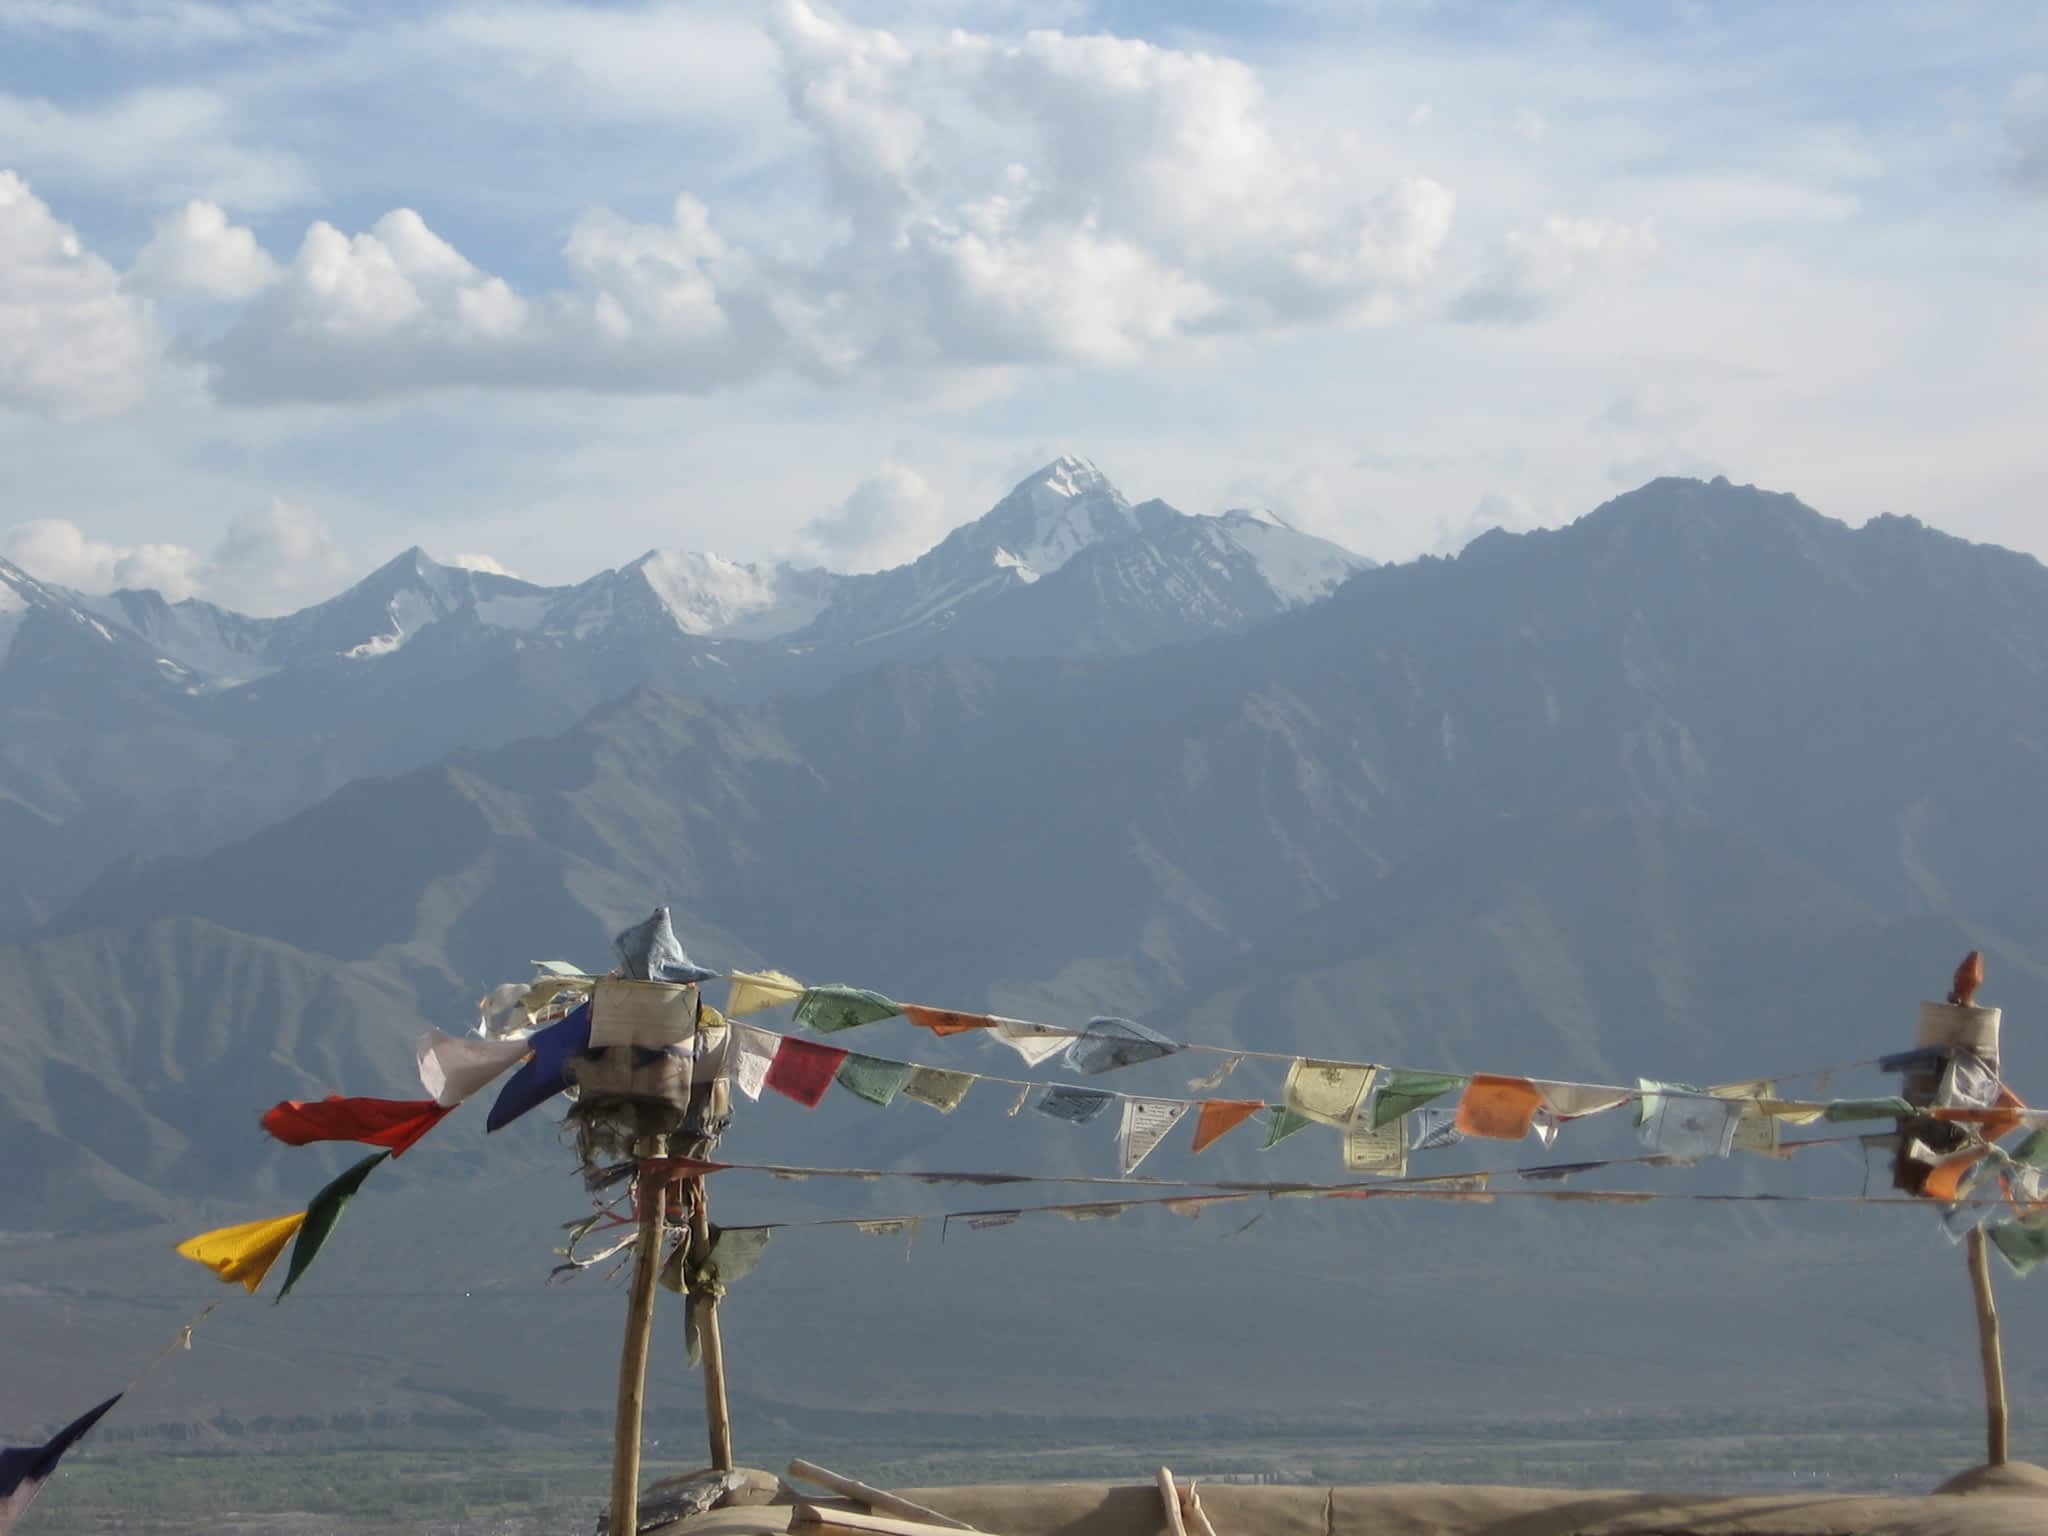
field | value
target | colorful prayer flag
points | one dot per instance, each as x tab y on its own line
453	1068
1401	1092
758	991
545	1073
873	1078
1283	1124
944	1021
833	1008
1841	1111
1568	1101
393	1123
322	1212
25	1468
752	1051
1436	1129
1327	1091
244	1252
1146	1123
942	1090
1063	1101
1498	1108
1107	1044
803	1069
1219	1117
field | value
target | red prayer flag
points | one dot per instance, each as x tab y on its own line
1498	1108
1219	1117
944	1021
393	1123
803	1069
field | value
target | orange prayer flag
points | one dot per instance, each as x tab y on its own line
1498	1108
1218	1117
1945	1183
944	1021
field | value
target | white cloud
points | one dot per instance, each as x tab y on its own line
892	516
152	24
1535	271
2026	133
196	253
71	342
275	560
1091	200
61	552
159	144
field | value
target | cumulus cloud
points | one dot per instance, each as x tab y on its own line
892	516
72	343
2026	134
195	253
62	552
1535	271
1058	199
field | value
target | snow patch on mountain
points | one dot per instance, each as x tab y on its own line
1299	567
709	595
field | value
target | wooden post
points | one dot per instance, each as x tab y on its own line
717	1417
1987	1345
652	1197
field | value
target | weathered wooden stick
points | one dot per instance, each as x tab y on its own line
625	1511
717	1417
875	1498
1198	1517
1170	1497
1987	1344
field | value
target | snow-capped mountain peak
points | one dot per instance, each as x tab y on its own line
707	594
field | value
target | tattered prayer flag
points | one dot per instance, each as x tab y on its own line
1327	1091
1689	1126
1145	1124
1036	1043
758	991
1283	1124
453	1068
393	1123
944	1021
1400	1092
244	1253
1017	1104
1436	1129
650	951
1841	1111
1094	1210
502	1011
1793	1111
1374	1148
732	1256
1945	1182
752	1050
1498	1108
2033	1151
942	1090
1756	1131
322	1212
888	1226
1543	1126
1107	1044
546	1071
1215	1079
1063	1101
1219	1117
873	1078
25	1468
803	1070
2022	1244
833	1008
1568	1101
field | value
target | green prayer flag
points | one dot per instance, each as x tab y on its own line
734	1253
941	1089
873	1078
827	1009
2033	1151
1401	1092
1284	1123
322	1212
2022	1244
1866	1109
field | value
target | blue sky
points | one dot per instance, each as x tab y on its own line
288	286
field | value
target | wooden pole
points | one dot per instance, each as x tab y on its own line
879	1500
652	1193
1169	1496
717	1417
1987	1345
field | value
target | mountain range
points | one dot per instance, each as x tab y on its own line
1705	785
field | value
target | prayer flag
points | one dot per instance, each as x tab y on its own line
654	1016
752	1050
1568	1101
1847	1110
650	951
1063	1101
244	1252
942	1090
25	1468
1145	1124
758	991
873	1078
1284	1123
803	1070
1498	1108
944	1021
452	1068
1215	1079
1436	1129
1945	1182
1543	1126
2022	1244
733	1253
833	1008
546	1071
393	1123
322	1212
1400	1092
1327	1091
1107	1044
1219	1117
1755	1131
1372	1147
1036	1043
1689	1126
502	1011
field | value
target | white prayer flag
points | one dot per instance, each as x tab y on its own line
1384	1150
1145	1124
1036	1043
1568	1101
452	1068
751	1052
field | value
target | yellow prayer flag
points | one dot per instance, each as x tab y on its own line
246	1252
1329	1091
757	991
1794	1111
